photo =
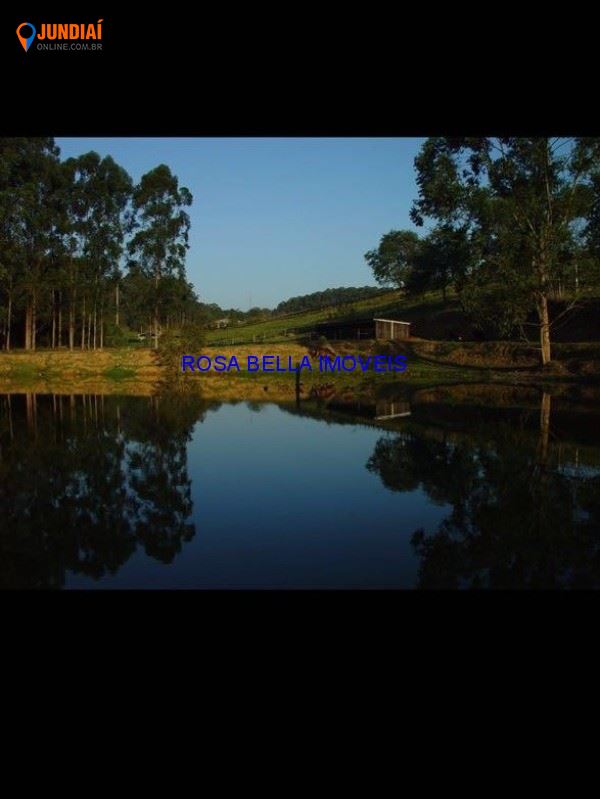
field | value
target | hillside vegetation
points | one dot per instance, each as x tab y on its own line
431	316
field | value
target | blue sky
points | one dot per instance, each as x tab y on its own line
275	218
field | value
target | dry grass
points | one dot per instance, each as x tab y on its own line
63	372
137	371
241	351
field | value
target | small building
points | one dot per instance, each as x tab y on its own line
365	328
391	329
218	323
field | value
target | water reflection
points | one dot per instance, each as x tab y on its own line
465	486
524	495
86	480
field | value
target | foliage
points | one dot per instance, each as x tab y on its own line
116	336
175	343
498	306
520	202
323	299
443	258
65	229
160	240
393	260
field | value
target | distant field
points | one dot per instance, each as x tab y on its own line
292	326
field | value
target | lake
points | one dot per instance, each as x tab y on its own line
456	487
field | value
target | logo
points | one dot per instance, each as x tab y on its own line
75	35
26	41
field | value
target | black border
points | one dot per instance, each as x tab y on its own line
253	71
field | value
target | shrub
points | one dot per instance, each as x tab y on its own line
175	343
115	336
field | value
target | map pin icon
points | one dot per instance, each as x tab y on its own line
26	42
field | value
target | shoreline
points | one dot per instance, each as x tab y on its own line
138	370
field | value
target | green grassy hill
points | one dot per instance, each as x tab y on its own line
291	326
431	317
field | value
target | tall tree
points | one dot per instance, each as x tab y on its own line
393	259
520	199
99	194
161	238
29	178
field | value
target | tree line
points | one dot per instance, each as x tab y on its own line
511	223
323	299
317	300
85	253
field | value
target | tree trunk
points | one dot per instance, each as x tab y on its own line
59	319
72	320
27	330
156	281
102	323
544	329
53	339
8	322
83	325
33	321
117	305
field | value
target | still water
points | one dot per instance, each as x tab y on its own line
465	487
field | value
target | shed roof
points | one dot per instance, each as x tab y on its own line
395	321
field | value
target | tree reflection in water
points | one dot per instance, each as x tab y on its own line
525	510
86	480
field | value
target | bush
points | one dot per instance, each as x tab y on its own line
116	336
188	340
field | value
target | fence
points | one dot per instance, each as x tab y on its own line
282	337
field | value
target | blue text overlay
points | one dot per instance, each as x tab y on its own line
278	363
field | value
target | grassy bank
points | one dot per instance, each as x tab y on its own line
135	371
138	372
61	371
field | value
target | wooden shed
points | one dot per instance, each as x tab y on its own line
391	329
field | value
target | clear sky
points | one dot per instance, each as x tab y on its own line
275	218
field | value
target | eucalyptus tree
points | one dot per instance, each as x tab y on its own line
9	273
29	178
160	241
99	199
520	200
